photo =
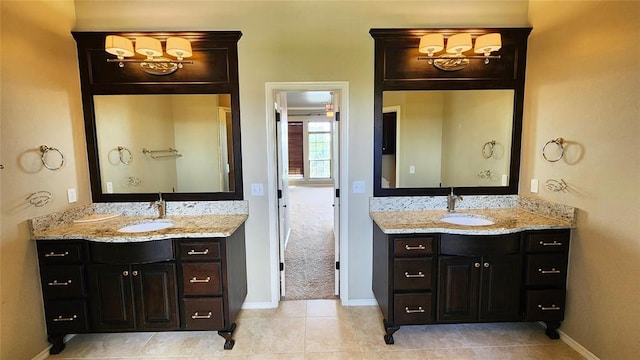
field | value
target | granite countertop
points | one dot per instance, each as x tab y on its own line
184	226
507	220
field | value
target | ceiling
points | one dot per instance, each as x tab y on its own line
309	102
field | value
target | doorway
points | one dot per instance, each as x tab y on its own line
307	174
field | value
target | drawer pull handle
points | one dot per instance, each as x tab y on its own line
196	316
552	271
551	308
193	252
418	275
413	311
554	243
419	247
60	318
56	283
53	254
196	280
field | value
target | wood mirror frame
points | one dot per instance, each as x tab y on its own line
214	71
397	68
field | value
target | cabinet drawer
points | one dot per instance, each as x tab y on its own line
201	279
131	253
66	316
412	274
545	305
61	252
548	242
198	250
415	246
203	314
62	281
412	309
546	270
479	245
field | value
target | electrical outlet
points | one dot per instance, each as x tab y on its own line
534	186
71	195
109	187
257	189
358	187
505	180
412	169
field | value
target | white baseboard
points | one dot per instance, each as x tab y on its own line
259	305
577	346
359	302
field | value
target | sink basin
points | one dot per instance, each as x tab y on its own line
467	219
146	226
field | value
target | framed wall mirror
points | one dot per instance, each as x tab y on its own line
177	134
439	129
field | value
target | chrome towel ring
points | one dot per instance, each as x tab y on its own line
125	155
559	142
487	149
44	149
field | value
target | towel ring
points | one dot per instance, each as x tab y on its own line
125	155
44	149
557	141
487	149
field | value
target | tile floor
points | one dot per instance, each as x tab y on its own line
323	329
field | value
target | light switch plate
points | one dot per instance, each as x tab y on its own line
358	187
109	187
71	195
412	169
257	189
534	186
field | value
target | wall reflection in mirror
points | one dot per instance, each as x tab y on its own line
452	138
187	143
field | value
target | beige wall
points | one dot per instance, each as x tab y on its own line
576	90
40	105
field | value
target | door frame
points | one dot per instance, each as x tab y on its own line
271	88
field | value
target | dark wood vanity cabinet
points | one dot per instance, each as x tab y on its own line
159	285
447	278
545	277
133	297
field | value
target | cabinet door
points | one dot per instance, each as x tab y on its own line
458	288
500	288
155	296
111	297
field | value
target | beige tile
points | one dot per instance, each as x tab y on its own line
503	334
440	336
338	355
292	309
298	356
278	336
323	308
187	343
329	334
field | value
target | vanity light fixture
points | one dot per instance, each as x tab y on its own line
150	47
454	59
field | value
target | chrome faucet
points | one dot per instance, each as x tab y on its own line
161	205
451	201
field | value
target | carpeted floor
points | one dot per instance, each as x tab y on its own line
310	254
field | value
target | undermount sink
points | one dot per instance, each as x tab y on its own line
146	226
467	219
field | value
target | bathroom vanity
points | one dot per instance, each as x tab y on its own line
190	276
426	271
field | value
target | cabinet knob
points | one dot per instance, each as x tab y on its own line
476	264
486	265
134	273
125	273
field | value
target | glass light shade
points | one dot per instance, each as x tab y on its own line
119	46
179	47
459	43
431	44
148	46
485	44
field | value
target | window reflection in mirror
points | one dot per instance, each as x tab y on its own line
452	138
187	138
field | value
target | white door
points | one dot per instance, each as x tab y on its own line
282	141
336	186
